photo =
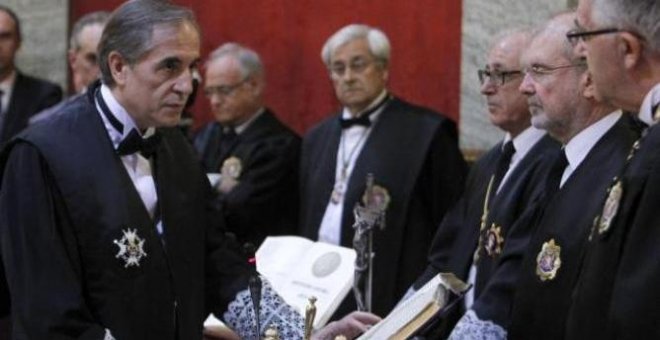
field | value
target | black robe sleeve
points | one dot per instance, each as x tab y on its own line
40	256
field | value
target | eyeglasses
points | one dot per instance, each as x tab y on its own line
496	77
357	66
223	90
537	72
574	36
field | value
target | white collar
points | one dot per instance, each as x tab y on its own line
580	145
652	98
119	112
346	114
525	140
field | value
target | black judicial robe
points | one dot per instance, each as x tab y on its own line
265	201
413	153
457	238
29	97
540	307
618	289
66	198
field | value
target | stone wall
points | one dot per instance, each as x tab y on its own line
44	24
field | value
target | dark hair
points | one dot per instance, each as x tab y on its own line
130	29
12	15
94	18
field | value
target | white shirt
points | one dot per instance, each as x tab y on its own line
652	98
7	87
522	143
350	145
138	167
580	145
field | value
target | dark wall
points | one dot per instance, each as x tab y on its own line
289	35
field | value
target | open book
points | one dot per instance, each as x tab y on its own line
410	315
298	268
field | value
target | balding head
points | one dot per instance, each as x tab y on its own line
500	80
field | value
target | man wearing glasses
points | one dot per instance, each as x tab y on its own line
596	138
617	295
254	153
411	151
500	186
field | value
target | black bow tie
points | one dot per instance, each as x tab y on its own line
363	119
135	143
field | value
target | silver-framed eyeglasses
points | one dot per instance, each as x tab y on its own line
497	77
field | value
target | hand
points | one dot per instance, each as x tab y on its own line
349	326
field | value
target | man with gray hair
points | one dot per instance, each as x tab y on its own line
256	155
617	295
411	151
105	229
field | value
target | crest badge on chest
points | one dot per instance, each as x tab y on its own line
494	240
548	260
131	248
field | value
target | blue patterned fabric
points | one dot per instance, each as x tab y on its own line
274	311
470	327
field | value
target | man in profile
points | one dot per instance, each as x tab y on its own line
617	295
595	138
254	153
500	187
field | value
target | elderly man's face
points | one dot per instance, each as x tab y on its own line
233	97
9	43
507	106
83	61
154	90
551	83
357	76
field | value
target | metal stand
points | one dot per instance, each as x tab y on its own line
368	216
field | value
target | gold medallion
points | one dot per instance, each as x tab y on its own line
548	261
493	240
611	207
231	168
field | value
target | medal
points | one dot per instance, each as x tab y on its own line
494	240
231	168
611	207
548	261
131	248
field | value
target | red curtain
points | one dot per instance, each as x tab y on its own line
289	34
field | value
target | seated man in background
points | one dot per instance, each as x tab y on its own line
255	154
500	186
411	151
